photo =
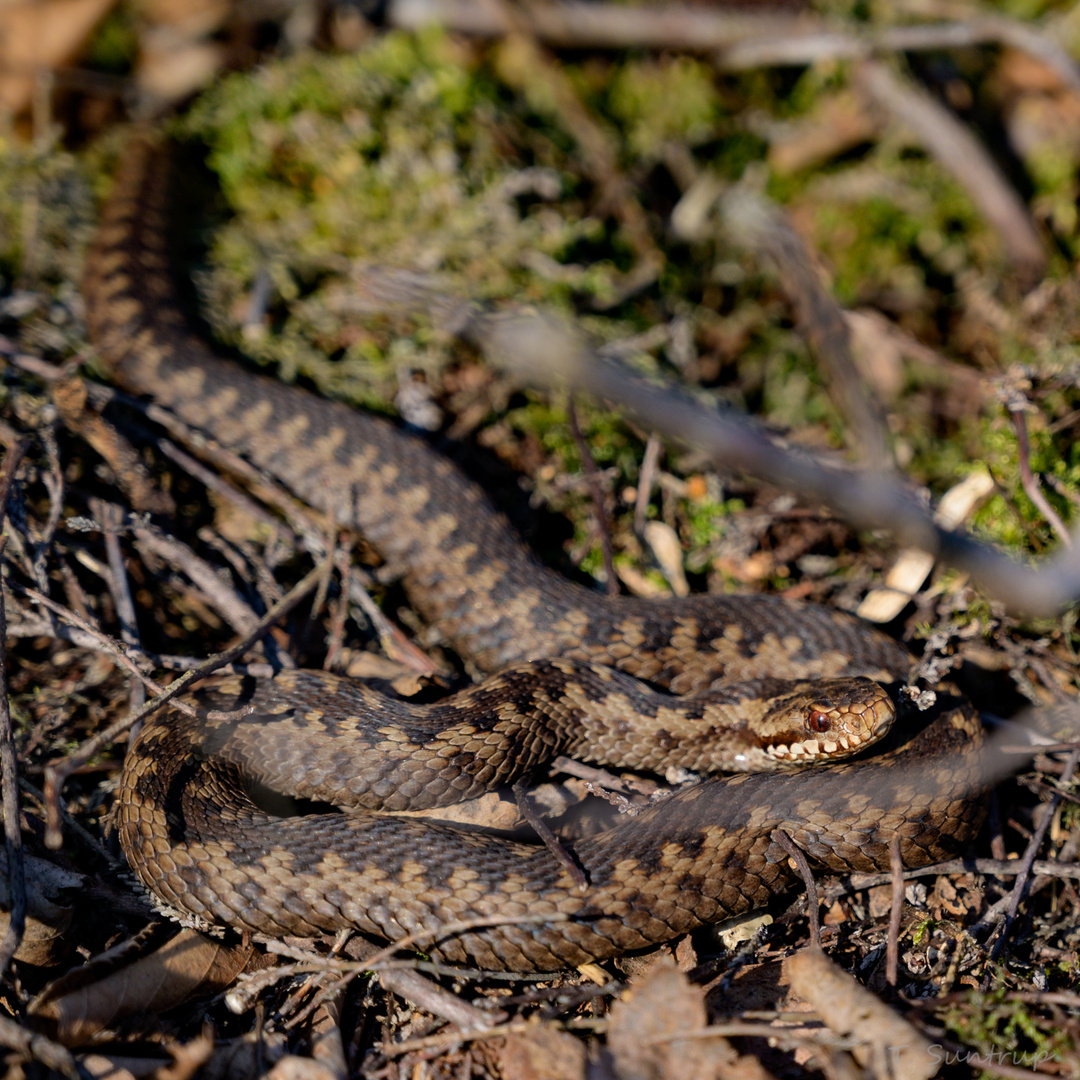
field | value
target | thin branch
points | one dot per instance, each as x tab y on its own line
596	493
896	910
1030	481
604	26
803	866
542	350
404	981
854	44
12	815
392	638
737	39
111	518
232	607
759	226
219	484
9	776
647	476
57	772
305	523
1020	885
987	867
958	151
539	826
126	657
51	1054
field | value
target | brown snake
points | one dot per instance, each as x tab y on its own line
199	843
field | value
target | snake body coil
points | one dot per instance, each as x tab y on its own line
188	824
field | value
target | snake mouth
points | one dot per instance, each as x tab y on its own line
830	721
809	749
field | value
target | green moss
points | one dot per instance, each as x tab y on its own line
703	525
1013	520
922	930
413	153
996	1024
45	215
404	155
115	43
661	101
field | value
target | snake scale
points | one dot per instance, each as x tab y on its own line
195	838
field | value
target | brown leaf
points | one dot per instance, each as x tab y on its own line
667	548
247	1057
644	1033
543	1054
686	956
38	36
836	124
292	1067
119	1068
187	1061
77	1008
189	1057
958	897
44	940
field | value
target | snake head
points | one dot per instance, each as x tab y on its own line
825	721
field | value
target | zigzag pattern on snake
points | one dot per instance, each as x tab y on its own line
191	832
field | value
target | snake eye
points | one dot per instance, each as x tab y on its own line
818	721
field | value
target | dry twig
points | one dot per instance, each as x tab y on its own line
760	227
738	40
1020	885
57	772
1030	481
798	857
544	351
896	909
596	493
954	146
9	777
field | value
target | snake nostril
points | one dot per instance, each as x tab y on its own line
818	721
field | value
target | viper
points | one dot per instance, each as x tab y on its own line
197	833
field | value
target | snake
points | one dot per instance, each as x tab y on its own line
198	836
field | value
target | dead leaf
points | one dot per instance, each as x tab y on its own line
637	582
108	1067
876	351
836	124
44	940
38	36
750	570
757	986
912	566
544	1054
686	957
247	1057
78	1006
658	1033
189	1057
170	69
960	897
667	548
292	1067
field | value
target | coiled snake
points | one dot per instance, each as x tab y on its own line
195	838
